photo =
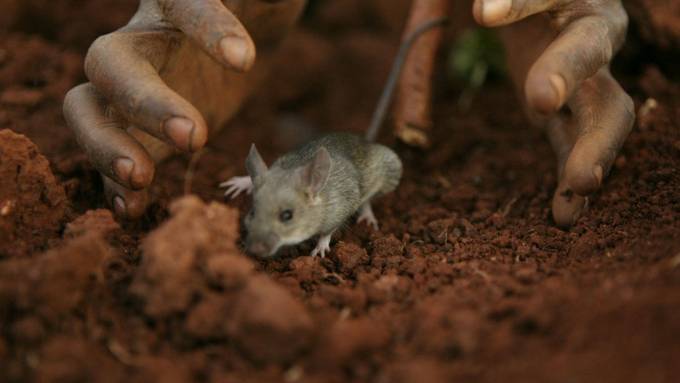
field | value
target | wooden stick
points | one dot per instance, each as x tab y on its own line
413	107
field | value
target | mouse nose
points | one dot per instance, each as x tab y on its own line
257	248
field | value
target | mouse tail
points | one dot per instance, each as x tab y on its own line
393	78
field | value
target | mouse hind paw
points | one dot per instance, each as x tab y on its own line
366	215
236	186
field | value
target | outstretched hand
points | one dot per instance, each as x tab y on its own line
559	53
165	80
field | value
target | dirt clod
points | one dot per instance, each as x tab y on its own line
268	323
169	276
351	257
352	339
32	203
99	221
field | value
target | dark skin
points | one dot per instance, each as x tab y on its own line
182	68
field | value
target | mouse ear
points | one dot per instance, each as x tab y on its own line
255	164
315	174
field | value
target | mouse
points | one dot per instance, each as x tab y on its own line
314	190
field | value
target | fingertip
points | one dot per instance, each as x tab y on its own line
567	207
477	11
123	168
199	138
180	131
545	94
559	88
129	205
136	205
143	175
239	52
598	172
135	174
119	206
185	133
491	12
125	203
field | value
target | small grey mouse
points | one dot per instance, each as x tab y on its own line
314	190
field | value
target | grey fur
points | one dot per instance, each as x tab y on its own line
360	170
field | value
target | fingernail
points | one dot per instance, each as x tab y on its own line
123	168
560	88
119	206
181	131
567	208
494	11
237	52
598	173
576	216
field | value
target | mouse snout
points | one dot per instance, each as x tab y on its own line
262	245
258	248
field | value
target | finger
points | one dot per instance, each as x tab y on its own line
492	13
215	28
125	203
118	67
567	206
584	46
605	116
561	137
112	151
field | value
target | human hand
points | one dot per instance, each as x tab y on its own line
166	80
559	53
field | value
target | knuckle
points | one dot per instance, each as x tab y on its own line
620	99
72	96
591	86
620	20
627	102
600	41
134	102
98	53
617	20
520	9
75	101
628	106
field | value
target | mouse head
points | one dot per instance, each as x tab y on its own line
286	207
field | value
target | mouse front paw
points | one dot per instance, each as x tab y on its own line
323	245
237	185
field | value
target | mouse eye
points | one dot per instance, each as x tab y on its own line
286	215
